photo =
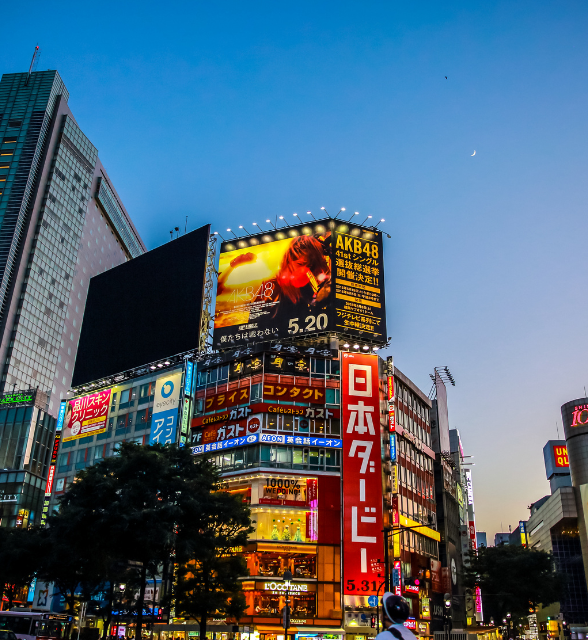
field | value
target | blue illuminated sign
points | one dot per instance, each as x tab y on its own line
61	415
329	443
189	378
393	447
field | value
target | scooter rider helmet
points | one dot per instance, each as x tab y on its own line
395	607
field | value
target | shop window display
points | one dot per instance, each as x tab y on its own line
281	526
268	603
273	565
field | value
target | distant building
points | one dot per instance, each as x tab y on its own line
553	527
61	222
501	538
481	539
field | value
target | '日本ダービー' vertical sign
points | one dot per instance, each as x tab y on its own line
362	474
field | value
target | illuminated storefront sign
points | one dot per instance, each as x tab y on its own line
291	491
362	491
291	587
86	416
221	401
410	624
165	409
560	455
394	478
469	487
264	407
53	462
269	438
393	447
294	393
472	531
391	395
189	378
21	398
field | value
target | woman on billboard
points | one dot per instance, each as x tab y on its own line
298	283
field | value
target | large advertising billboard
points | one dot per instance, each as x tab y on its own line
86	416
325	276
165	288
363	543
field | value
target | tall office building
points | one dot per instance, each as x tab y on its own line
61	222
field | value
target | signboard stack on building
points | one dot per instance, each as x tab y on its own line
297	410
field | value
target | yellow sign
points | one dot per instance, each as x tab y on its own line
419	528
394	478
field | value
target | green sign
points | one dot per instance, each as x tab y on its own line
23	397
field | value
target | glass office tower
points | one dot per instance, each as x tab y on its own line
61	222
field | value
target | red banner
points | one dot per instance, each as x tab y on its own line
362	476
294	393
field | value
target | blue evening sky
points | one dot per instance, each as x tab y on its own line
231	112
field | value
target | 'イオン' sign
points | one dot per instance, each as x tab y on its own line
362	475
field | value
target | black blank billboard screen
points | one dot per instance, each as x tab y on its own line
143	310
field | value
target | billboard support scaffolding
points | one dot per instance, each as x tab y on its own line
207	314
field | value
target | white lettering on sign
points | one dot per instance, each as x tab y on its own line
285	586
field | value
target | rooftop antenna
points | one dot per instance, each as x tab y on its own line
557	427
186	226
171	234
36	55
177	229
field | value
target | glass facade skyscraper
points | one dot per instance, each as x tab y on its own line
61	222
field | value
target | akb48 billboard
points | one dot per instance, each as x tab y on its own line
327	276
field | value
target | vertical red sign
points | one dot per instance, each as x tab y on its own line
362	474
472	530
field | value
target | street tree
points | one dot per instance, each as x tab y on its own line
208	580
128	515
513	579
20	554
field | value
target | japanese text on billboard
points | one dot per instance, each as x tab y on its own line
86	416
313	278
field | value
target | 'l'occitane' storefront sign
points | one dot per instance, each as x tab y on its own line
276	587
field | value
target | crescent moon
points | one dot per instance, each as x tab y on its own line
473	154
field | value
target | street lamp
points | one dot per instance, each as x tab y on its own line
446	614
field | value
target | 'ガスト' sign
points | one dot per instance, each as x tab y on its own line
362	475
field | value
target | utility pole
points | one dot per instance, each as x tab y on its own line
286	616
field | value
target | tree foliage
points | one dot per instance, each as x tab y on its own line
209	581
513	579
125	518
20	554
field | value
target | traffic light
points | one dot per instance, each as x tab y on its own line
373	621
